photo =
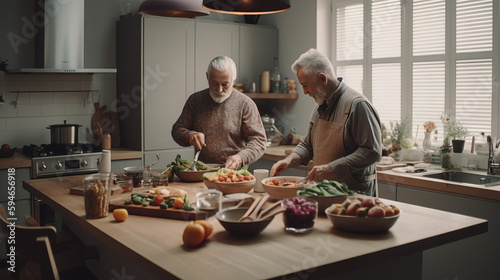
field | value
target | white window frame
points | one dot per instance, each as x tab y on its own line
407	59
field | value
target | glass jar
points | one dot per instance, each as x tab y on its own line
270	129
300	214
160	179
446	160
96	192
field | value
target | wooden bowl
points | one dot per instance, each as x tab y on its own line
231	187
281	192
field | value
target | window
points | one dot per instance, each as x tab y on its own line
418	59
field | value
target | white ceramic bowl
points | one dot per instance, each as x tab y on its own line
284	191
231	187
361	224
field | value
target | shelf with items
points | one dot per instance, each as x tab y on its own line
273	95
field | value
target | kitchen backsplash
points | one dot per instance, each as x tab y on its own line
46	99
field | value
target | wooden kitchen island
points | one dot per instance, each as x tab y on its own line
151	248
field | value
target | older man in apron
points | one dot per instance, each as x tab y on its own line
344	137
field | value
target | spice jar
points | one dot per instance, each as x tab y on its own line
160	179
96	192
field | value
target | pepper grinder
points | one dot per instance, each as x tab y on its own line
105	162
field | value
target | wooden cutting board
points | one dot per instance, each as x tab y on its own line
95	123
192	189
382	167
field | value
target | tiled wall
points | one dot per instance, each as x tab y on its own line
47	99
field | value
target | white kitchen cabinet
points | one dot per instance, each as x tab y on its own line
478	254
214	39
155	71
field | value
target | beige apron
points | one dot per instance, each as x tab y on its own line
327	138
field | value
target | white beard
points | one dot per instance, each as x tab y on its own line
220	97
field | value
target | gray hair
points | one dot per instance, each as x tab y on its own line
313	62
223	64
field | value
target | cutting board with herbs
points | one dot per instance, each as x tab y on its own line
156	210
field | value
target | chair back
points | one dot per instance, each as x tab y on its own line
32	247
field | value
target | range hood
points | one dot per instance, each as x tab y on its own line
59	44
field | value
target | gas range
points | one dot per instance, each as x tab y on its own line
50	160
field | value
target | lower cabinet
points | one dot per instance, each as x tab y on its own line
472	258
387	191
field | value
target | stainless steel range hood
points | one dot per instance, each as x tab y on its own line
59	47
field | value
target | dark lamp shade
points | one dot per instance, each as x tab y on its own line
173	8
247	7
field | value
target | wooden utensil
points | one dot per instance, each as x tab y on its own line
255	211
250	209
271	213
95	123
266	211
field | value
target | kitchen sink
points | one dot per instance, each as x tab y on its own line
465	177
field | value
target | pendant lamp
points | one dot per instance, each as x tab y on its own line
247	7
173	8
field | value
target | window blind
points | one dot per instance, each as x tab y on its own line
474	98
474	25
349	28
429	27
386	88
428	96
352	75
386	28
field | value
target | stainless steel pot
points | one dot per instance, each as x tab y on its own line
66	134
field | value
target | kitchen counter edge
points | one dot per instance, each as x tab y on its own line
18	160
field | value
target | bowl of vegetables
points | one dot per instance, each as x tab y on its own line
182	168
230	181
326	193
280	187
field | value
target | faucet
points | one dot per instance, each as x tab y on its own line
492	165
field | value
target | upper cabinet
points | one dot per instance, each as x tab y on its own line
214	39
162	61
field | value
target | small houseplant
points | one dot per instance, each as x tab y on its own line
456	132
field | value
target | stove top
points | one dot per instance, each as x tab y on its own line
48	150
48	160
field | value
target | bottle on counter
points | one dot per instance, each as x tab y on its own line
105	162
276	78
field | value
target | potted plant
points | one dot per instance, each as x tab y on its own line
456	132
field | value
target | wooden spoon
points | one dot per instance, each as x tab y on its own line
269	209
249	211
271	213
255	212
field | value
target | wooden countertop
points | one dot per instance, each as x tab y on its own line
18	160
155	244
417	181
